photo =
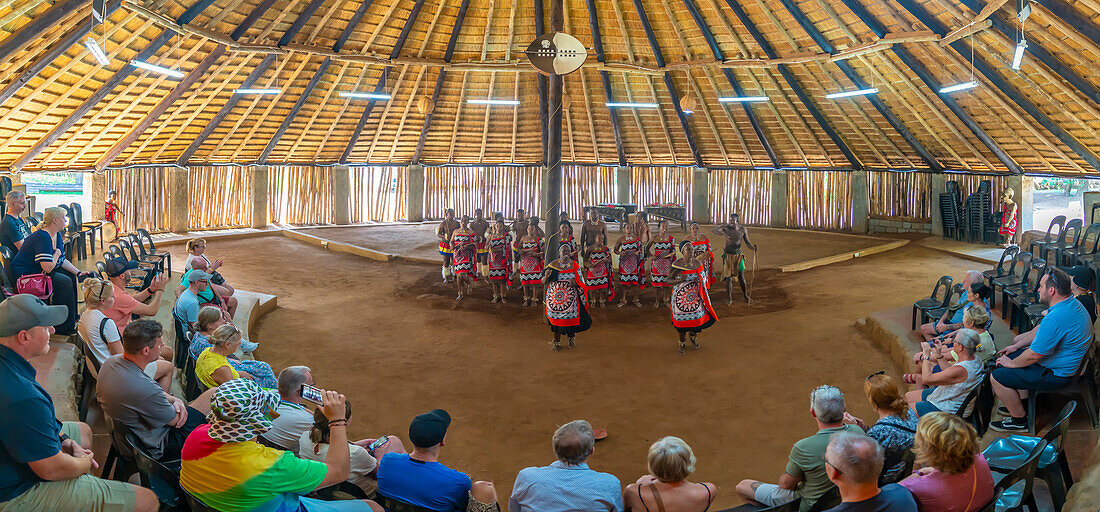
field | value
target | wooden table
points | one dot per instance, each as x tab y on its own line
677	213
613	211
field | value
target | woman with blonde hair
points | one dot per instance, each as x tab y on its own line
212	367
955	476
210	319
196	249
666	487
895	427
43	252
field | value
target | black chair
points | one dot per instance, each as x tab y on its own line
163	478
345	487
1013	492
272	444
1084	248
138	276
1009	452
91	227
933	300
101	269
1071	237
1082	383
7	278
183	342
1021	259
5	187
74	236
163	258
1018	297
89	376
999	270
121	460
977	408
949	302
1052	235
396	505
196	504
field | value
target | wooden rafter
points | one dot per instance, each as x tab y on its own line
605	78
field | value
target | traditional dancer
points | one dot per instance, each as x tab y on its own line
1009	211
530	264
519	230
663	251
564	236
597	263
733	259
691	309
500	260
591	227
640	222
631	265
444	232
480	226
534	221
702	246
566	299
464	257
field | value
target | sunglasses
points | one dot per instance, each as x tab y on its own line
880	372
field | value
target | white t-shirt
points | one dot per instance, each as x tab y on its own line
362	463
192	257
293	420
88	328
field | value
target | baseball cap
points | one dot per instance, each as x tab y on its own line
197	275
117	266
428	429
24	311
1082	276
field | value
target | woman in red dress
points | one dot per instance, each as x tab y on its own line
530	264
566	300
597	263
499	243
464	257
691	309
703	251
1009	212
663	251
631	265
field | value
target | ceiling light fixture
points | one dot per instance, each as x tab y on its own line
959	87
156	69
365	96
97	52
744	99
257	91
631	105
845	94
493	102
1018	57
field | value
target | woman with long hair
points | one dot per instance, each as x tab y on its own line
102	336
955	476
662	250
499	243
43	252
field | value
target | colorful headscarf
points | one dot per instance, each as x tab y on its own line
240	410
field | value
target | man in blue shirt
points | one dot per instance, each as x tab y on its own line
42	463
853	462
13	229
567	483
1050	360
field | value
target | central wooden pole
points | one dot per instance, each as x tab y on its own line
553	153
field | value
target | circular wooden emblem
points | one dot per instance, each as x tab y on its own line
556	54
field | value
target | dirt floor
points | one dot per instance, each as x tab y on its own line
392	338
778	246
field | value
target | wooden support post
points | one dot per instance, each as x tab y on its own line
779	198
861	205
700	195
177	199
414	190
260	176
553	155
1024	187
96	183
937	187
622	184
341	195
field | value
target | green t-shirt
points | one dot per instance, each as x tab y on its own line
806	464
206	296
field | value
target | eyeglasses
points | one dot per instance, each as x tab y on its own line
880	372
826	461
1053	282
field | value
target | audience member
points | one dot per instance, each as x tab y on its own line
853	462
955	476
667	489
960	372
364	457
102	336
567	483
1081	287
976	319
144	303
159	420
952	318
1049	361
294	418
224	293
420	479
895	427
210	318
43	252
225	468
196	249
939	348
212	366
43	464
188	303
805	465
13	229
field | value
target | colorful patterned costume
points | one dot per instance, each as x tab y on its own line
691	309
598	275
530	265
445	248
1008	222
660	268
500	259
566	300
708	261
631	264
462	260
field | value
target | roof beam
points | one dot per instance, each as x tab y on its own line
439	80
1072	17
44	21
597	41
850	72
922	72
300	21
1006	88
251	19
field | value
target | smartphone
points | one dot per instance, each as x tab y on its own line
312	394
377	442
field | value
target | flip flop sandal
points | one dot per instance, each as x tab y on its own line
599	433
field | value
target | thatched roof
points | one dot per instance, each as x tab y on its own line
63	110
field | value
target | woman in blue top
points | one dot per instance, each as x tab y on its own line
43	252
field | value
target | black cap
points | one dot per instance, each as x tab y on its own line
1082	276
428	429
117	266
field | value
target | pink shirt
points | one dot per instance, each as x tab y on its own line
123	308
950	493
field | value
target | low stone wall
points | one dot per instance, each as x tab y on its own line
897	226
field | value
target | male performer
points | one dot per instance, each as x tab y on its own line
590	228
733	260
444	232
480	225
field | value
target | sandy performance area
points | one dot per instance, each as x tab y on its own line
392	338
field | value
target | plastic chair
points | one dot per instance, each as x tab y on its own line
1052	235
121	460
932	301
948	302
74	234
1082	383
979	404
101	269
157	476
396	505
999	270
1013	280
91	227
89	378
1083	247
1024	294
196	504
7	278
1008	452
163	258
348	488
272	444
1071	237
1013	492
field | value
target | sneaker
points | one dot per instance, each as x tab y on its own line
1009	425
249	346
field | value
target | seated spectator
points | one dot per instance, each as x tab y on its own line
196	249
294	414
160	421
43	462
212	366
224	296
13	229
952	318
670	462
187	302
1062	341
144	303
955	476
43	252
420	479
895	426
210	318
225	468
853	462
364	459
567	483
1081	287
102	337
805	474
940	347
960	373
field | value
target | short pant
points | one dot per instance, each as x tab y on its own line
732	264
924	406
84	493
772	495
1034	377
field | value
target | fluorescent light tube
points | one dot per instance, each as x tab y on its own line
959	87
493	102
156	69
97	52
365	96
743	99
845	94
1018	57
257	91
632	105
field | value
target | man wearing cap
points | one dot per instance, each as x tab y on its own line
224	293
118	271
224	467
420	479
567	483
188	302
42	463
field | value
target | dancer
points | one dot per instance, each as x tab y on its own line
663	251
444	232
500	260
701	242
591	227
480	225
733	259
530	264
566	299
564	236
464	257
691	309
1009	211
534	222
597	263
641	227
519	230
631	265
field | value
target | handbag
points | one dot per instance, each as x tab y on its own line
39	285
217	278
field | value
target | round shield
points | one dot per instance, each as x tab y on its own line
556	54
